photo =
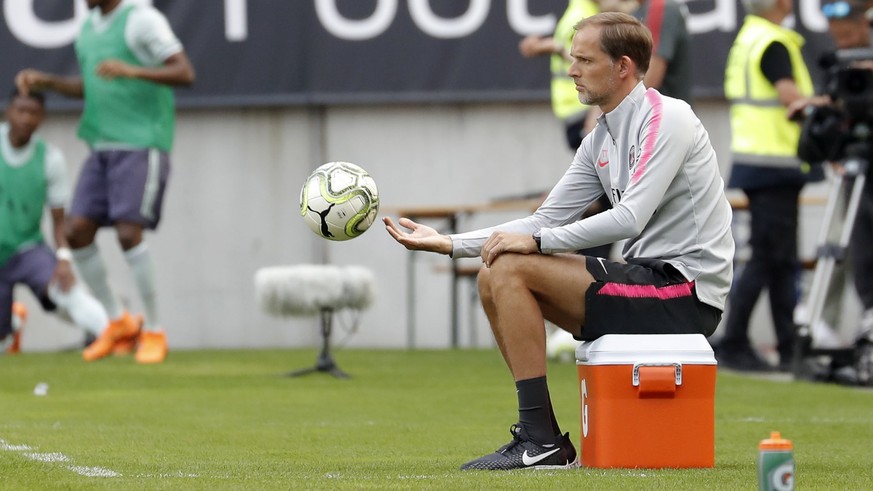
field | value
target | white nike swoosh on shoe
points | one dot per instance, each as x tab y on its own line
529	461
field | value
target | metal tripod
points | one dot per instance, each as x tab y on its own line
829	254
325	361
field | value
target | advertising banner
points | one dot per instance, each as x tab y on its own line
296	52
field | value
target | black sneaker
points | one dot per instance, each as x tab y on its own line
742	360
864	363
522	453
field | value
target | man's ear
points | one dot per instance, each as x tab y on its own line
626	67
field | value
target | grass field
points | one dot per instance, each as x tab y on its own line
405	420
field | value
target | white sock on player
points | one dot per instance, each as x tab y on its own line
84	310
92	270
139	258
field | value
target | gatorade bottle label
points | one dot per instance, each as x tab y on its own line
776	464
781	478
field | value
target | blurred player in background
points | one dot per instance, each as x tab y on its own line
765	74
565	101
651	155
129	59
33	176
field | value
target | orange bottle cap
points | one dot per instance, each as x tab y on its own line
775	442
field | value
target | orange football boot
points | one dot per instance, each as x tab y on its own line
19	317
124	347
123	328
152	347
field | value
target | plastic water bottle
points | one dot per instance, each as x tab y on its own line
775	464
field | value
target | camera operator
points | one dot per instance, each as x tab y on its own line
849	28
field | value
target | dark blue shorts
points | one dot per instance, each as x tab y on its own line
643	297
33	267
122	186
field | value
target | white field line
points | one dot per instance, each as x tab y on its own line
93	471
57	457
47	457
12	448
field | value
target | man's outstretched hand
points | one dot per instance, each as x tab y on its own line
419	237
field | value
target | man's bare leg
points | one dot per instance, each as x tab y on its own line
518	292
485	296
525	290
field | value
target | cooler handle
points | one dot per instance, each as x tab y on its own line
636	372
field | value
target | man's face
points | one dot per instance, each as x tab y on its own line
24	114
849	33
595	74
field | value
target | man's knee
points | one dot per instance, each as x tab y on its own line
79	231
483	283
509	271
129	234
503	273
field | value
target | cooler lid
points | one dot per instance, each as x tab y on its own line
621	349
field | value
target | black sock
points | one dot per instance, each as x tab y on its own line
535	410
555	427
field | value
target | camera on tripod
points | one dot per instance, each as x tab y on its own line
843	129
841	132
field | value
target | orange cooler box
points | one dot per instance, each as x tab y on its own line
648	401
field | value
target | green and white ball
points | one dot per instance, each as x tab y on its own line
339	201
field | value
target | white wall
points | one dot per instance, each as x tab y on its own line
232	207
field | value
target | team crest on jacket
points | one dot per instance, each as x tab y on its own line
632	157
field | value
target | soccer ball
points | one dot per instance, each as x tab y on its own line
339	201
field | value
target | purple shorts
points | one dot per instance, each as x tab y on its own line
122	186
33	267
643	297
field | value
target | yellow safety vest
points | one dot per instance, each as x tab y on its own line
761	133
565	99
